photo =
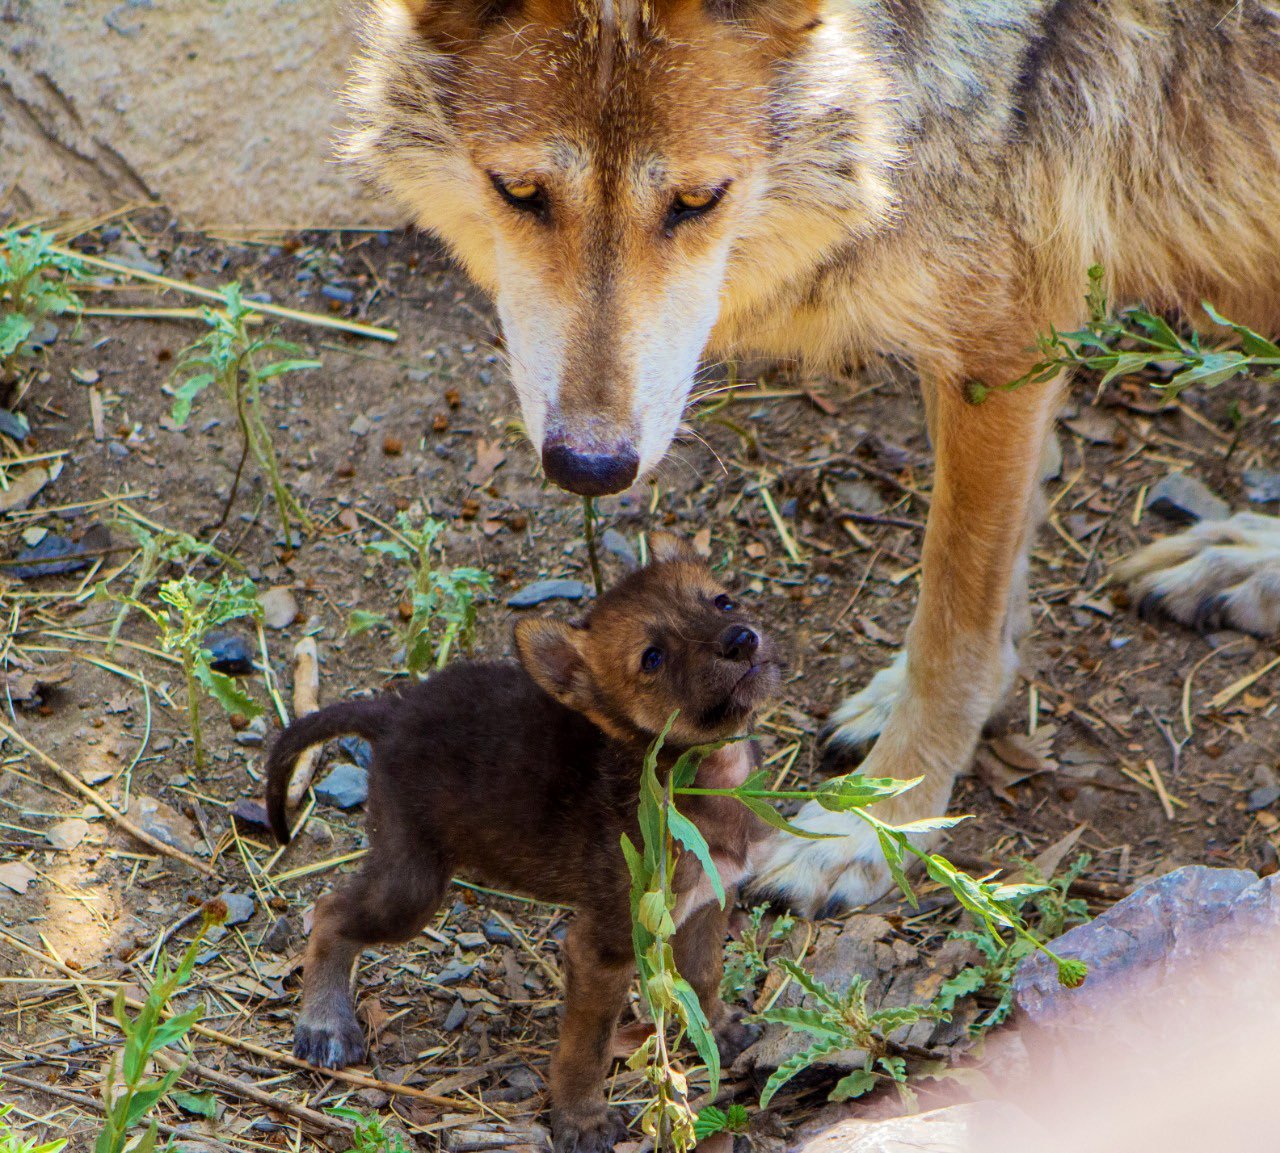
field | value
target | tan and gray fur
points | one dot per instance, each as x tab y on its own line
924	178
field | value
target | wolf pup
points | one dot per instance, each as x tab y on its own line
640	183
526	776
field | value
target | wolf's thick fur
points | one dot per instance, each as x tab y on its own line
930	178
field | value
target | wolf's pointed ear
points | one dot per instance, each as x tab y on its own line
549	651
666	546
781	24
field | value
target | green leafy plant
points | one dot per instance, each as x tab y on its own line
992	977
712	1120
12	1140
1138	341
35	282
194	607
746	959
840	1021
368	1134
240	363
439	606
157	547
131	1090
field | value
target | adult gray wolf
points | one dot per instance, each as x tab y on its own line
640	182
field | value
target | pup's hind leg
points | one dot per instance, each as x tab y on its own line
699	954
598	966
1223	573
382	903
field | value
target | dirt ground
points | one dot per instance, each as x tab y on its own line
463	1017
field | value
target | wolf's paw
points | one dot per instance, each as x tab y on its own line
859	719
594	1133
1218	574
820	878
330	1042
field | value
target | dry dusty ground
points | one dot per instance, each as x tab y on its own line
387	427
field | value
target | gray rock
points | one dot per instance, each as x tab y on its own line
1262	487
251	813
1167	928
254	734
239	907
358	749
66	835
279	607
1182	498
954	1129
457	1015
617	545
858	496
548	590
496	932
454	973
1262	797
165	824
346	786
278	936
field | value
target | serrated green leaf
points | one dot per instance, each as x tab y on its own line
854	1085
854	791
809	983
813	1021
796	1065
225	691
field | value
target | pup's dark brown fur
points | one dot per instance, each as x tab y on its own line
527	777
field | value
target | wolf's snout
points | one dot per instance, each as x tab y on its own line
738	643
589	471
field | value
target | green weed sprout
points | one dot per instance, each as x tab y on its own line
240	364
1055	912
194	608
442	604
31	289
157	547
1137	341
368	1134
130	1091
841	1020
12	1141
745	960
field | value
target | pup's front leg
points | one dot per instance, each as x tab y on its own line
699	955
959	651
598	966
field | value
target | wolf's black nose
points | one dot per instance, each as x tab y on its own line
738	644
589	473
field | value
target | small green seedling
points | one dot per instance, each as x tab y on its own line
157	547
841	1021
712	1120
368	1134
35	282
440	605
992	978
130	1090
240	364
12	1140
194	608
746	959
1137	341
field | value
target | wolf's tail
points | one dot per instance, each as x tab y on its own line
367	719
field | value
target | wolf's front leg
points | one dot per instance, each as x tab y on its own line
930	706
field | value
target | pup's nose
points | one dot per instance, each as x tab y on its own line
738	644
589	473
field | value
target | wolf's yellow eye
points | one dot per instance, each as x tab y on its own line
522	194
698	202
695	200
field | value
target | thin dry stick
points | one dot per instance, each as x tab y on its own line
312	318
252	1047
306	699
252	1093
92	795
95	1106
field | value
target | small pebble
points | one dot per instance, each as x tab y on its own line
345	786
229	653
497	932
251	813
392	445
454	972
239	907
1262	487
548	590
279	607
254	734
469	940
457	1015
1185	500
1262	797
358	749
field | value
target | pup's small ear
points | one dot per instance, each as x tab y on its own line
666	546
549	652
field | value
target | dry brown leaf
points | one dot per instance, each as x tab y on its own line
16	876
489	458
1046	863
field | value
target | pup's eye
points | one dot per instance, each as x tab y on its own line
651	659
522	194
724	602
687	205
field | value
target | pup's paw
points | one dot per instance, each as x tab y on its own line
330	1042
822	878
596	1132
1217	574
859	719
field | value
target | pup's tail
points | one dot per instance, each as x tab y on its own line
364	718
